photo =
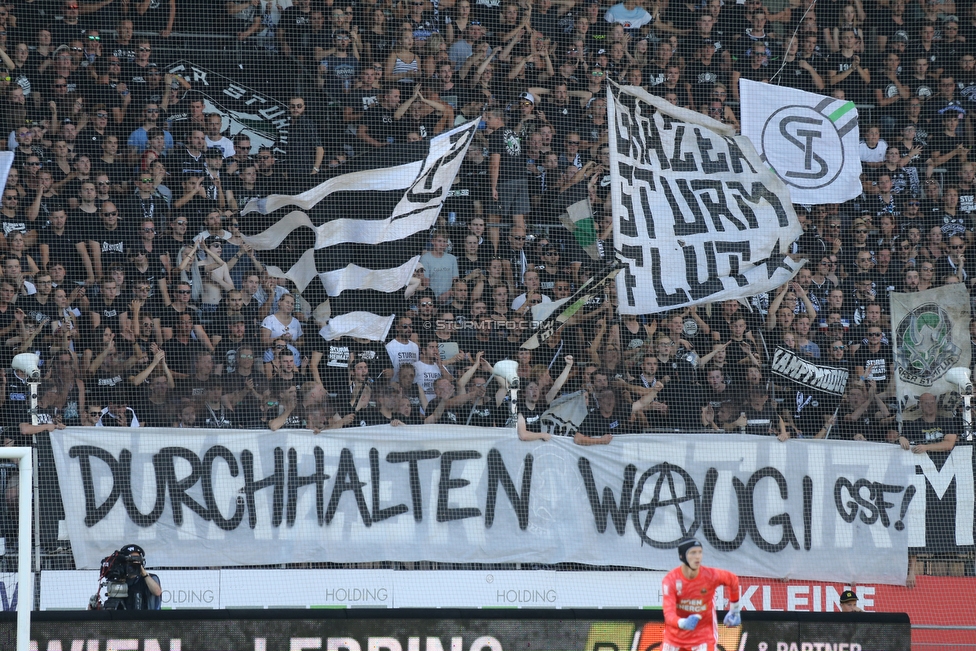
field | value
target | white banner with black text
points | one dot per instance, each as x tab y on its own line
201	498
697	216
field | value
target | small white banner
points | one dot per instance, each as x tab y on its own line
6	162
193	589
452	494
809	140
697	216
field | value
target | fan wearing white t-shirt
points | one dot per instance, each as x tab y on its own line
873	149
628	14
402	351
429	368
532	285
440	267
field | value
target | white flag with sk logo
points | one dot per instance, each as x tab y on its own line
811	141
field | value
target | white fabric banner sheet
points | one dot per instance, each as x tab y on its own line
217	498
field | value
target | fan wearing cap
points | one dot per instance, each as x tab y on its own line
848	602
945	97
689	596
526	111
144	588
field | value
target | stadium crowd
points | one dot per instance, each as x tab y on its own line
124	267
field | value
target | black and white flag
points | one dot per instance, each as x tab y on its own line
351	243
565	414
697	216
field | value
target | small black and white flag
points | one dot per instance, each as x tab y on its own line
550	317
565	414
830	380
350	244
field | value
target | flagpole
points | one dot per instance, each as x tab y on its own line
833	421
507	373
473	407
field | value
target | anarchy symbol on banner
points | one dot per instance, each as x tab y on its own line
804	146
677	479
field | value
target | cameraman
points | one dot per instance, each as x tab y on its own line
144	590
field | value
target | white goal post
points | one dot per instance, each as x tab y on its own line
25	469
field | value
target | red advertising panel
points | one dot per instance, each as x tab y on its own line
929	603
925	603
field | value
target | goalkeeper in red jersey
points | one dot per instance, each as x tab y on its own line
689	597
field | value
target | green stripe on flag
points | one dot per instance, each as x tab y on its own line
585	232
572	309
839	113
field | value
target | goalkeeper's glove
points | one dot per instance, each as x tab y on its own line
733	618
689	623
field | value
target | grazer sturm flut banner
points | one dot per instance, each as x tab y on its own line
931	336
697	217
351	243
827	510
264	119
809	140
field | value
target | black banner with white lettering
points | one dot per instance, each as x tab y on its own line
831	380
288	630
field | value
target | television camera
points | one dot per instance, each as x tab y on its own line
116	569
